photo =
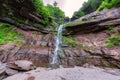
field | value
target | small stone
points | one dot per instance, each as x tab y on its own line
31	78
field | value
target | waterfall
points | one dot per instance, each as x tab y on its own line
57	45
69	19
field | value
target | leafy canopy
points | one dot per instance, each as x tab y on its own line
87	7
57	14
49	11
41	9
108	4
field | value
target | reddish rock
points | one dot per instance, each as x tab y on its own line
31	78
38	55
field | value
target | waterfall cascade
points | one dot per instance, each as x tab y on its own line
57	45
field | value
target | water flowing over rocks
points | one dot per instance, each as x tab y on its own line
90	50
57	46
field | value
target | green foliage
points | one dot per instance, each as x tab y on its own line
7	34
49	11
108	4
42	10
68	40
113	41
87	7
110	28
68	24
56	13
80	22
55	4
82	13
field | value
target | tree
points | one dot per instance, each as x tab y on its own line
41	9
87	7
56	13
55	4
108	4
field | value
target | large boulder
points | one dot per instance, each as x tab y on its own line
21	65
15	67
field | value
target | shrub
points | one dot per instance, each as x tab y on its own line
56	13
108	4
7	34
110	28
68	40
42	10
113	41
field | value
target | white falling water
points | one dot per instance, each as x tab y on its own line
57	45
69	19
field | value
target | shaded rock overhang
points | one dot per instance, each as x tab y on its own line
94	22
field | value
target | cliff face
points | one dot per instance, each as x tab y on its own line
94	22
91	50
37	45
90	32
